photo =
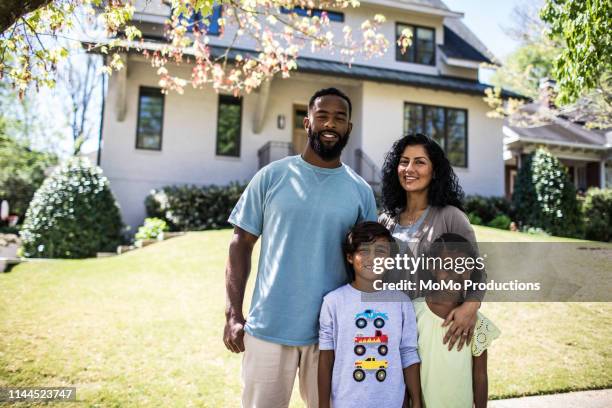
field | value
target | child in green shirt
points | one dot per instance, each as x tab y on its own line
451	378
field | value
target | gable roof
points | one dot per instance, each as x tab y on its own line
456	47
558	131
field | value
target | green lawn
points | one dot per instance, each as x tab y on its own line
145	328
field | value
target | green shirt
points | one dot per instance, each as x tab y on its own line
446	376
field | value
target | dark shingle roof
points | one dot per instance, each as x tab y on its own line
396	77
385	75
456	47
559	130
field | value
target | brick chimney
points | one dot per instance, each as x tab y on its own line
548	93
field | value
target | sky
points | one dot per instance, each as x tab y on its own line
486	18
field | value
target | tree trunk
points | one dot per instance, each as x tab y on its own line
11	10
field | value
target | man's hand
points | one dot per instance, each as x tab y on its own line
462	321
233	334
236	276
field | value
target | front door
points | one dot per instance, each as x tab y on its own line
300	136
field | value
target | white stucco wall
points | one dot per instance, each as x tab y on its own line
189	136
383	106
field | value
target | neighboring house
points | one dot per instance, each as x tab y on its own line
151	140
587	153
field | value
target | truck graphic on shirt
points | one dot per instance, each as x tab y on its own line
369	364
379	318
361	342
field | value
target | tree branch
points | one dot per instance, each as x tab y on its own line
12	10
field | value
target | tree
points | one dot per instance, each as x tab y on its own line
535	56
22	171
545	197
586	29
542	52
29	51
80	81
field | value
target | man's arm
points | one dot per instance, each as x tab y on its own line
412	378
326	366
236	275
480	381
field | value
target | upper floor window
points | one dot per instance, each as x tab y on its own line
209	23
447	126
229	121
423	47
150	118
306	12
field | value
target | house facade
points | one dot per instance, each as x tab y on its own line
150	140
586	153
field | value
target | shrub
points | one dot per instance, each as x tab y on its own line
474	219
597	210
22	171
502	221
72	215
487	208
153	228
545	197
194	208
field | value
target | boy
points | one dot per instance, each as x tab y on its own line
367	339
455	378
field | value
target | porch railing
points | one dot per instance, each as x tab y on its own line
272	151
368	170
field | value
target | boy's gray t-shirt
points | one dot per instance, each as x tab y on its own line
302	213
369	333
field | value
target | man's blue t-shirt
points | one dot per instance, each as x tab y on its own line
302	213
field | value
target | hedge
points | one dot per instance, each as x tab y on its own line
194	208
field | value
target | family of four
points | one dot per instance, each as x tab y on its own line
315	311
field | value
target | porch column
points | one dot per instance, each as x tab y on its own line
602	173
262	104
121	97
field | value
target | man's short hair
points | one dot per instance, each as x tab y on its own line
331	91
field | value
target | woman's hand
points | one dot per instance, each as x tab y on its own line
462	321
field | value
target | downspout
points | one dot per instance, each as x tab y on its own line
99	158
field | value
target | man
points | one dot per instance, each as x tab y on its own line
302	206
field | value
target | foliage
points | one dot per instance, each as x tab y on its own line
586	29
73	214
544	196
22	171
280	37
542	54
597	211
194	208
153	228
485	209
474	219
501	221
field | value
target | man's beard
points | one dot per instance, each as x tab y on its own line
324	152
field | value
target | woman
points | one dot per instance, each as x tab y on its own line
421	199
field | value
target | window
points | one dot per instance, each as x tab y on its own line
447	126
305	12
150	119
209	23
228	126
423	48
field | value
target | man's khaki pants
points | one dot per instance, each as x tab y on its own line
268	373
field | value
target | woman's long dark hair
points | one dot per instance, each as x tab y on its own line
444	188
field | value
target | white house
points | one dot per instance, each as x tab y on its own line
150	140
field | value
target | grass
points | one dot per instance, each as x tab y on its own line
144	329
